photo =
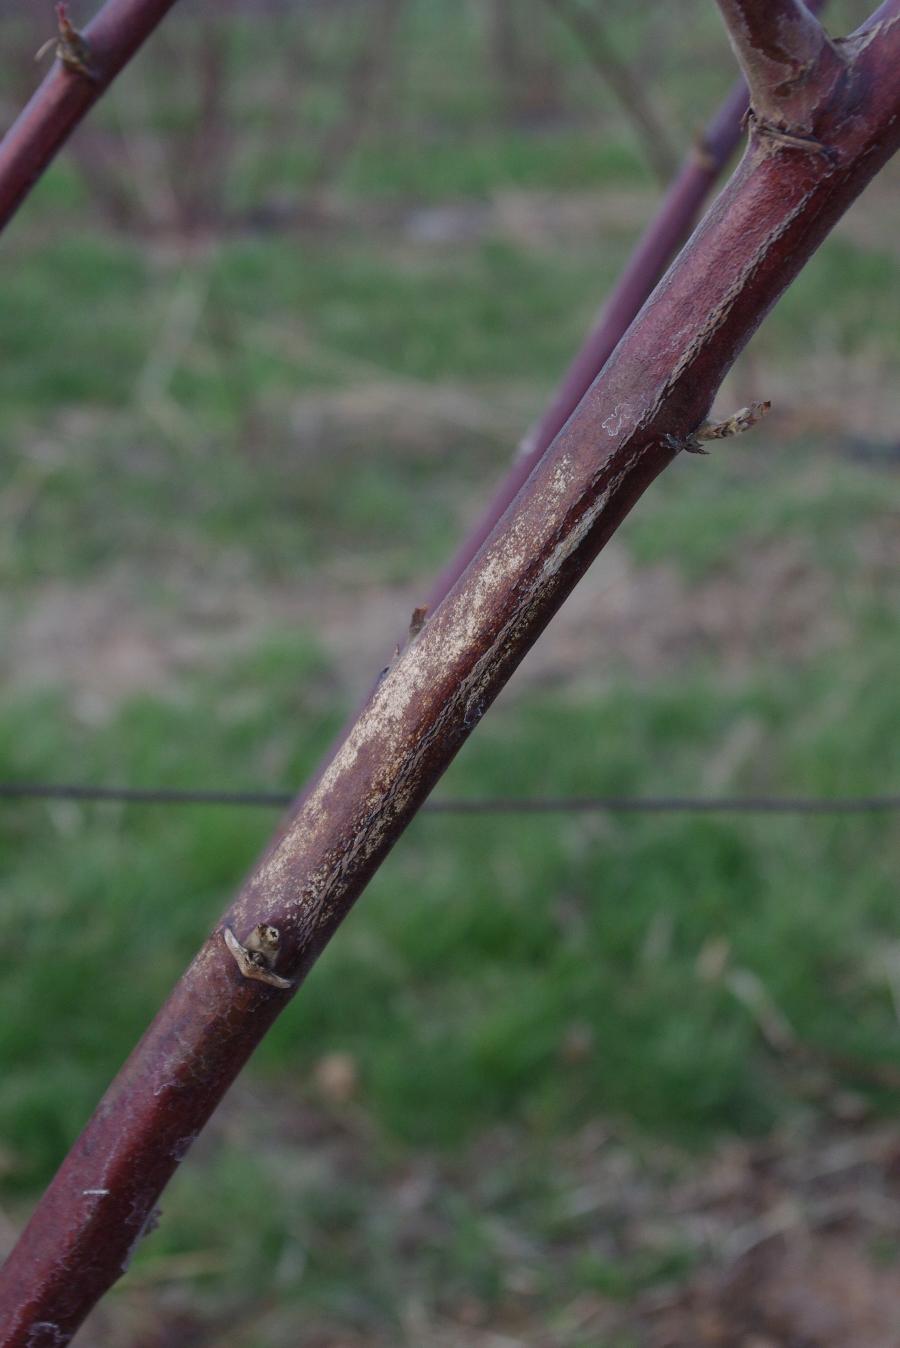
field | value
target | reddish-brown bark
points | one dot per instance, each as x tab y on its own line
654	251
784	53
655	390
65	95
656	248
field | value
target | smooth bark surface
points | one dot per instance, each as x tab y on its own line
65	95
654	392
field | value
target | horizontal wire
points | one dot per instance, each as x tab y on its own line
137	795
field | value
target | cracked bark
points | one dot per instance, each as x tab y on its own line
786	55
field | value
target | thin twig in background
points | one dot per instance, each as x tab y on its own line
653	252
184	305
649	126
108	189
294	67
175	181
367	77
69	91
525	81
199	155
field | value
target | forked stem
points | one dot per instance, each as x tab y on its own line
788	59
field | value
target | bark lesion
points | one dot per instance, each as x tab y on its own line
789	61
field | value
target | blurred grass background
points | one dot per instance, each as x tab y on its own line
270	333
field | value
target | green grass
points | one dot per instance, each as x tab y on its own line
69	326
710	521
214	449
482	941
840	303
457	983
570	161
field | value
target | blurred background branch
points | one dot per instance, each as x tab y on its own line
651	128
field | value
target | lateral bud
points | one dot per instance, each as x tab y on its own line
736	424
256	957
